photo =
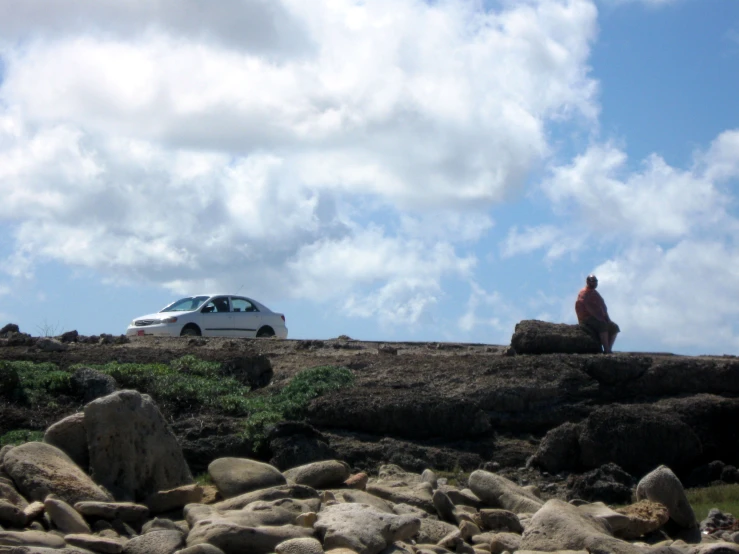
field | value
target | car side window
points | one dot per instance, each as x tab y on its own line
219	305
243	305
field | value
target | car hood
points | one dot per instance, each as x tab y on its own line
162	315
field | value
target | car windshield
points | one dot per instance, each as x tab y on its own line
186	304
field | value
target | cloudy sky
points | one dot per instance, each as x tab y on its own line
432	170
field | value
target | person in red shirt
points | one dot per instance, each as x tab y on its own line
592	313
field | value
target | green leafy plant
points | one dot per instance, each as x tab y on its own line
20	436
292	400
36	383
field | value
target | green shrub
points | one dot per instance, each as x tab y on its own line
20	436
291	402
36	383
723	497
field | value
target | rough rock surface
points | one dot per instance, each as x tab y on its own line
70	436
235	476
663	486
532	336
39	469
501	492
133	452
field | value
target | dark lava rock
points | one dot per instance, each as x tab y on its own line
609	483
293	444
559	449
532	336
90	384
638	438
69	336
9	328
704	475
255	371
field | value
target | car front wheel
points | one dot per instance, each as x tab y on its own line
190	332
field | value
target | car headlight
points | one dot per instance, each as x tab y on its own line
168	320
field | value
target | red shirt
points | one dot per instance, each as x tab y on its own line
590	303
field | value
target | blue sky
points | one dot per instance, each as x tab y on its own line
387	170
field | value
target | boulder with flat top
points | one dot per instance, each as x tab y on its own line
532	336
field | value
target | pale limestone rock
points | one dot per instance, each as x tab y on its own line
65	517
505	541
39	469
362	497
10	494
296	492
497	491
663	486
419	495
96	543
432	531
236	476
70	436
357	481
319	475
125	511
11	515
362	528
133	451
156	542
307	519
307	545
174	499
562	526
643	517
31	538
238	539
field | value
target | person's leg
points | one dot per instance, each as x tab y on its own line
610	343
605	341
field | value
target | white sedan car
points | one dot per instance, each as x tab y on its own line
220	315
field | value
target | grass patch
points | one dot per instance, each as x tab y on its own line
20	436
291	402
35	384
723	497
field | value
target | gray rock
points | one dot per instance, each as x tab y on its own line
494	519
663	486
9	493
501	542
559	449
362	528
133	452
166	501
497	491
159	524
65	517
50	345
306	545
204	548
104	545
11	515
429	476
532	336
156	542
419	495
31	538
91	384
561	526
362	497
296	492
319	475
232	538
432	531
444	506
69	435
256	514
236	476
39	469
125	511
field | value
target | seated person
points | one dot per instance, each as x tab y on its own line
592	313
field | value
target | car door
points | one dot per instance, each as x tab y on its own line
215	318
246	317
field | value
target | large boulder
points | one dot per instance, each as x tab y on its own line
363	529
561	526
90	384
40	469
560	448
319	475
532	336
69	435
233	538
235	476
663	486
637	438
255	371
133	452
497	491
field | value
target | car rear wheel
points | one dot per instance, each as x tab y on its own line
190	331
266	332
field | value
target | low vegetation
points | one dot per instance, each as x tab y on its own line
186	385
722	497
